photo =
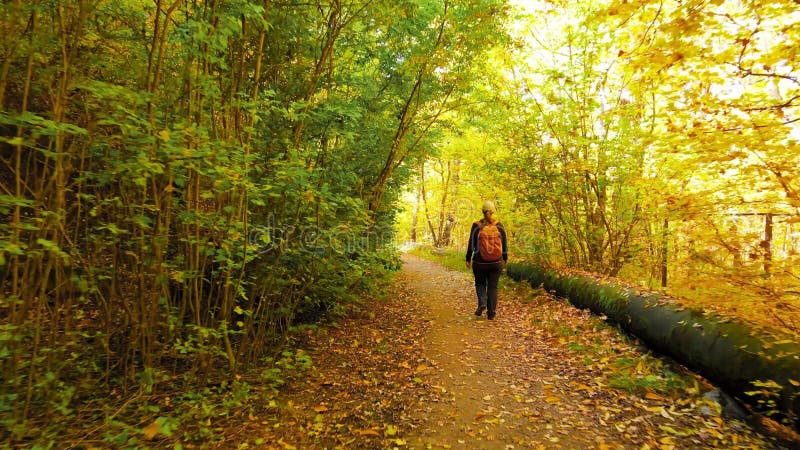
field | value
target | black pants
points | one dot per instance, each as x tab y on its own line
486	278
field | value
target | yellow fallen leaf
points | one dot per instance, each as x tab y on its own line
552	400
320	408
653	396
285	445
151	430
368	432
669	429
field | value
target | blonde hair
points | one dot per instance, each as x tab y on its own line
488	205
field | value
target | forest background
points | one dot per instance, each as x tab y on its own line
183	182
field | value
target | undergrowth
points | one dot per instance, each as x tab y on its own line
450	258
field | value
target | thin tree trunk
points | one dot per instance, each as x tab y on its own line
664	254
766	244
406	118
414	218
334	28
425	206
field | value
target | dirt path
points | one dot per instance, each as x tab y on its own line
421	371
491	389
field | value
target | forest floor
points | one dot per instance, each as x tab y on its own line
420	370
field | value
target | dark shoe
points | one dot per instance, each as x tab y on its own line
479	311
490	316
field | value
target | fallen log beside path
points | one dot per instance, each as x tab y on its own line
758	367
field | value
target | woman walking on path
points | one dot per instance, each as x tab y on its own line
487	254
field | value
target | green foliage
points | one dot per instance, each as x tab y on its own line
452	259
646	376
183	185
610	149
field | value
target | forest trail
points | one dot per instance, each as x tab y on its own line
421	371
492	376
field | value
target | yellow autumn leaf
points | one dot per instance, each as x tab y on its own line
151	430
285	445
368	432
653	396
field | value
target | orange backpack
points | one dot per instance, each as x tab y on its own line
490	244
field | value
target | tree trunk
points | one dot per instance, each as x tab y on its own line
425	206
415	219
766	244
664	254
407	115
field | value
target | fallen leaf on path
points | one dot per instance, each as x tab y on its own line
286	446
368	432
151	430
653	396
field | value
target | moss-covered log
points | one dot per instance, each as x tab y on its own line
759	367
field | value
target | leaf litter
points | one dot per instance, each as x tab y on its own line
419	370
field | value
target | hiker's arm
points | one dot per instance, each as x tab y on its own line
470	248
